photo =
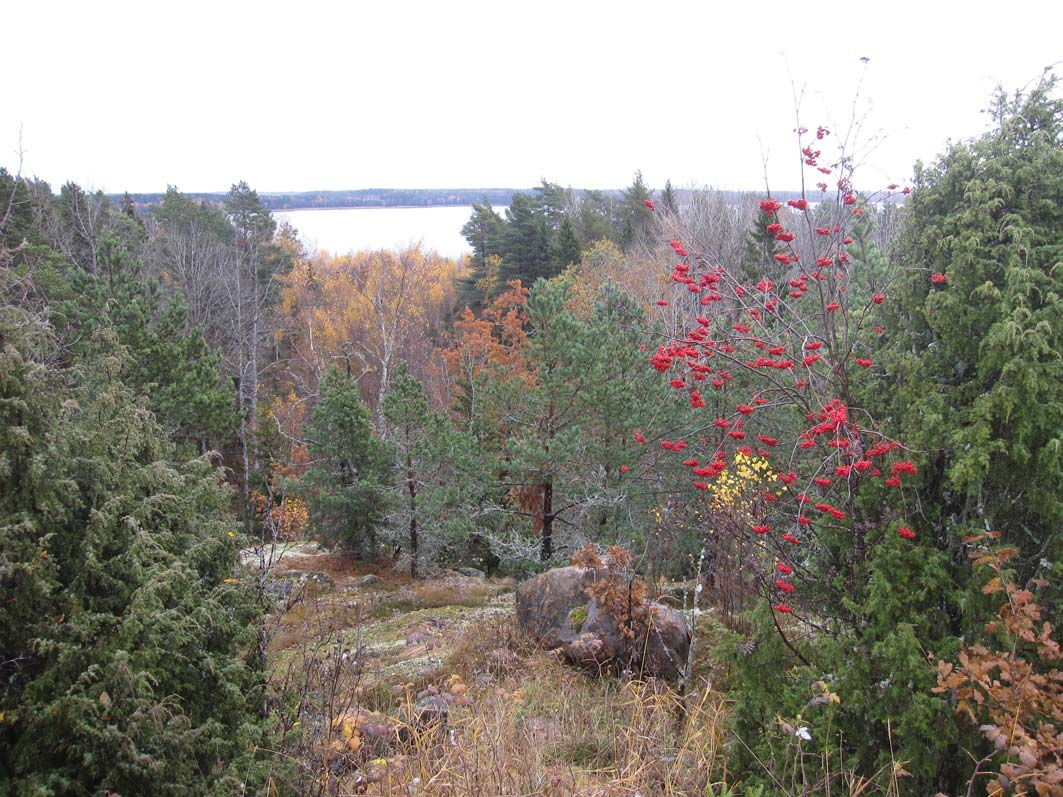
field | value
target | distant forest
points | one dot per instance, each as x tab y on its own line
355	198
385	197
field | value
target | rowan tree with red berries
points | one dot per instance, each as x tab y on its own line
772	368
855	545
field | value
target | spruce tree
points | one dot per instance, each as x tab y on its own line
635	217
525	242
483	232
760	248
669	201
567	250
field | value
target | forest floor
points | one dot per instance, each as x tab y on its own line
397	686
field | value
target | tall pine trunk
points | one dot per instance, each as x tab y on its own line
411	487
547	549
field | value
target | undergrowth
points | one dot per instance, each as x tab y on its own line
502	717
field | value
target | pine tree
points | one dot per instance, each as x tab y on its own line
129	207
169	363
594	218
406	411
250	292
431	465
569	433
350	467
552	201
16	213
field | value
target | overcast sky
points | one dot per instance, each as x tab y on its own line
329	95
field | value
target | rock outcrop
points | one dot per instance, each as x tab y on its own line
558	611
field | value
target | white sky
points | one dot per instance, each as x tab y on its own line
448	93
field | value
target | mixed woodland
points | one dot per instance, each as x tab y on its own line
835	414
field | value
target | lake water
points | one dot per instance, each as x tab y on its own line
343	230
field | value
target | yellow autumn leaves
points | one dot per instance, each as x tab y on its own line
738	487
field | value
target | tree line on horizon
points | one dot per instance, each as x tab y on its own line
395	197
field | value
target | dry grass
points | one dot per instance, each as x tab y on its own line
546	730
316	616
519	721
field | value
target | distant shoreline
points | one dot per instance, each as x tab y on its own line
398	198
348	200
368	207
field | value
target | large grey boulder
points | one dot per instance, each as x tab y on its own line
556	610
667	644
552	607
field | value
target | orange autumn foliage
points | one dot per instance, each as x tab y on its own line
1014	694
490	344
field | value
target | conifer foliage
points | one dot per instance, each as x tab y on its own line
121	661
350	467
977	345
